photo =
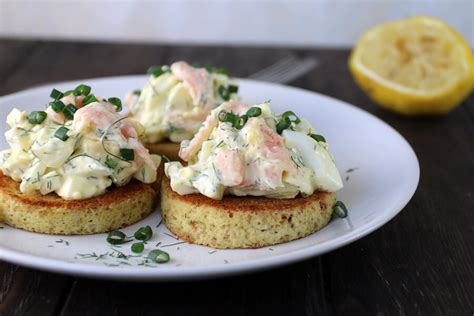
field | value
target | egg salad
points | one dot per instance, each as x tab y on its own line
243	150
78	147
177	98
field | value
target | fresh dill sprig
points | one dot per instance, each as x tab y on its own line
62	241
174	237
104	137
352	169
159	224
174	244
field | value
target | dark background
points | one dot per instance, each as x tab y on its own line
420	263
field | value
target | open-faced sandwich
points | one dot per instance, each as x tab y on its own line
253	179
76	168
175	101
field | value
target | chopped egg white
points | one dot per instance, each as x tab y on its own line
316	156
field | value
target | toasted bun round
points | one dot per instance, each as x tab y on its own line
50	214
168	149
243	222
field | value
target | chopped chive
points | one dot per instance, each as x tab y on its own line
254	112
144	233
214	70
240	121
222	115
159	256
225	116
82	89
57	106
137	92
287	114
340	210
61	133
233	89
37	117
230	117
138	247
68	92
89	99
237	122
225	92
157	71
56	94
69	111
283	124
127	154
220	70
285	121
109	162
117	102
117	238
318	138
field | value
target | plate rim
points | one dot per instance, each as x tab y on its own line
214	270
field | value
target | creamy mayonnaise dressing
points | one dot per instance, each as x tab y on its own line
254	160
86	163
174	104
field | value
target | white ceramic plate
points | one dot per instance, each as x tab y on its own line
379	168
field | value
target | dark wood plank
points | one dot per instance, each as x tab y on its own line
30	292
13	53
293	290
60	61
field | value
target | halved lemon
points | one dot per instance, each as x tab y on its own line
415	66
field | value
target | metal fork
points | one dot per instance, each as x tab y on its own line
286	69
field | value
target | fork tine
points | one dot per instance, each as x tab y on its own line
293	71
269	71
280	71
273	69
296	71
286	70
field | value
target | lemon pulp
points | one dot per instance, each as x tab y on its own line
415	66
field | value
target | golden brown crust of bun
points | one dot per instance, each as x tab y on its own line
243	222
50	214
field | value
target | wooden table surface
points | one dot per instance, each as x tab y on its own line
420	263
